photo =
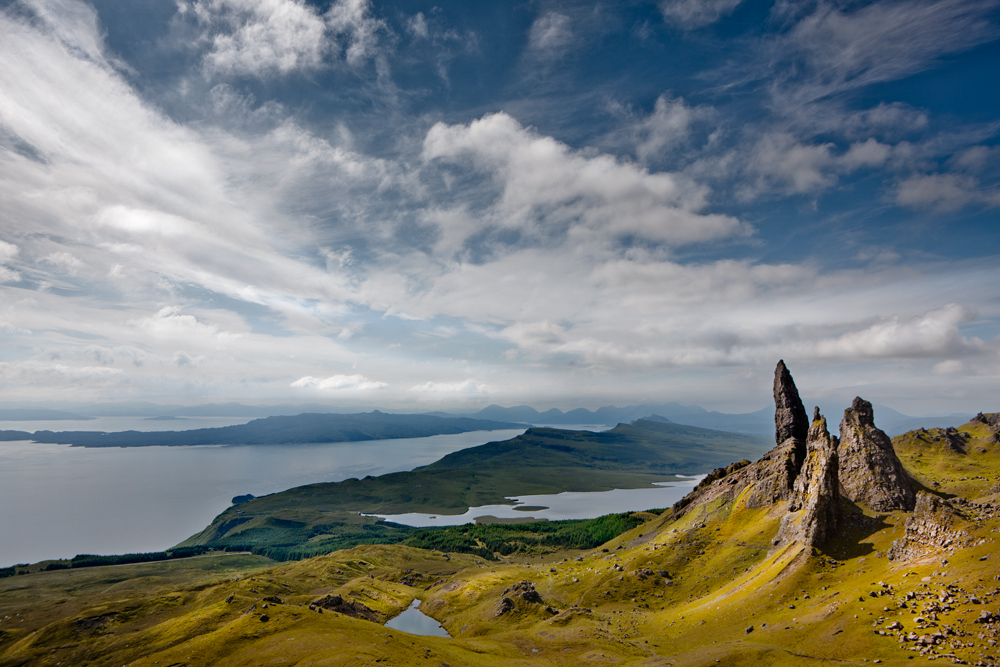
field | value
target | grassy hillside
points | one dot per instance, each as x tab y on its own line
319	518
707	588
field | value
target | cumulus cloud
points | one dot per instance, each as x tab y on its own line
276	37
932	334
338	383
781	162
169	323
547	188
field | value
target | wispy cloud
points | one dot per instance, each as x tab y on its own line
690	14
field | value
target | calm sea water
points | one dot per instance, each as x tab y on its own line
57	501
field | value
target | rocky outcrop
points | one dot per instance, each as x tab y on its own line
934	527
771	479
814	508
523	591
991	419
870	471
341	606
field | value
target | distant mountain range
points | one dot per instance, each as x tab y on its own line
304	428
760	422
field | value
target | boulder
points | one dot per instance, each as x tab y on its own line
870	471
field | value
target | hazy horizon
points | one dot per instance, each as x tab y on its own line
556	203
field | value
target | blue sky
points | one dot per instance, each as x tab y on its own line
447	205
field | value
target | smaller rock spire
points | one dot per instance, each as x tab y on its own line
813	510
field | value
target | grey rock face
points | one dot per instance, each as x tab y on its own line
870	471
814	510
790	419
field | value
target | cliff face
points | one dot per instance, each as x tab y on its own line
870	471
814	508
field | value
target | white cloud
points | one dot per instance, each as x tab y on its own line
668	126
8	251
877	42
417	25
8	275
338	383
932	334
169	324
549	189
783	163
64	260
691	14
550	33
262	38
465	387
943	192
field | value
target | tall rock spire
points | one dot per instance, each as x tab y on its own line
790	420
773	477
870	471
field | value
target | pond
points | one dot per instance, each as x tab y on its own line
416	622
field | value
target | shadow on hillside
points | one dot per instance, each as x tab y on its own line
855	527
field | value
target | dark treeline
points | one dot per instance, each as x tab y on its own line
505	539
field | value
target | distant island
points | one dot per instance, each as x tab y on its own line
303	428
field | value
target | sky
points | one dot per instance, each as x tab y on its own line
444	205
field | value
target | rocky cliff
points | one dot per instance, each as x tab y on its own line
812	470
870	471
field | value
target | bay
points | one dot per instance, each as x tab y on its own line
59	501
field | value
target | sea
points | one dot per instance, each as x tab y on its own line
59	501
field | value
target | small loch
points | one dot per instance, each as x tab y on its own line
416	622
